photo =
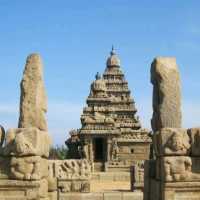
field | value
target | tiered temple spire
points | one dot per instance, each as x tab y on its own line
110	130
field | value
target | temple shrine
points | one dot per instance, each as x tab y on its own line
111	136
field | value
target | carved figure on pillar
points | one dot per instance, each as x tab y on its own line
115	150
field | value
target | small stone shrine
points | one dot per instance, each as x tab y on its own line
111	136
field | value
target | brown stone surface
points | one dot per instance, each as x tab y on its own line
166	93
33	101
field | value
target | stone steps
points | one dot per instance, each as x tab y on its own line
111	176
102	196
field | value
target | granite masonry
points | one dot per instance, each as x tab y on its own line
110	147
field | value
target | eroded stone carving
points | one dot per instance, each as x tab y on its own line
27	142
28	168
74	186
33	101
177	168
172	141
115	150
70	169
166	93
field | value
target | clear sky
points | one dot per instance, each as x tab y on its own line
74	39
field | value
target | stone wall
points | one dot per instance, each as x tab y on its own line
70	175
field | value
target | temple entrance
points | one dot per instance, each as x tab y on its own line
99	149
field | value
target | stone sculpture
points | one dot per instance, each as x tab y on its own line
27	142
115	150
29	168
177	168
171	141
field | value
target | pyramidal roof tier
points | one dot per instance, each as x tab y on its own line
109	104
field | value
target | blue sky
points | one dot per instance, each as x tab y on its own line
74	39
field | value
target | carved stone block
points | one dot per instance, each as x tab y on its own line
27	142
28	168
171	141
70	169
74	186
194	134
177	169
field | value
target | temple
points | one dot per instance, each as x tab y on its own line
111	136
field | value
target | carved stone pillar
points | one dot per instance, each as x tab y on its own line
108	149
90	147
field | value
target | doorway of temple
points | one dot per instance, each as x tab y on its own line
99	147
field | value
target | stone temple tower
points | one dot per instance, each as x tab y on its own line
111	133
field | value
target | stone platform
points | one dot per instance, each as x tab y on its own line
19	190
111	176
102	196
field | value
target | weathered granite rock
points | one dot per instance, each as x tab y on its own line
28	168
166	93
27	142
33	101
171	141
194	134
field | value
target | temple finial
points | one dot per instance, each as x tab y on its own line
98	76
112	51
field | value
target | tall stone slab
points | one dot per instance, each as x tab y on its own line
166	93
26	148
33	101
175	172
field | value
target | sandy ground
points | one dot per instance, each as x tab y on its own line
99	186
